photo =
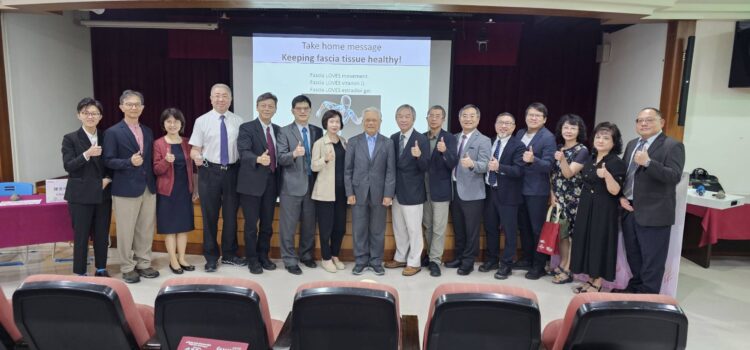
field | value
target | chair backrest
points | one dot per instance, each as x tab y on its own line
9	333
345	315
229	309
20	188
482	316
623	322
76	312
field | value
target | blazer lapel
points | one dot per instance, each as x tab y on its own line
129	135
83	138
259	133
378	145
658	142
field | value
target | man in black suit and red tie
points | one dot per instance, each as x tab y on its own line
655	162
257	182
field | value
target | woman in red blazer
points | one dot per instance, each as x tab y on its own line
174	187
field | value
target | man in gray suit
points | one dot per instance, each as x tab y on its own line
655	162
370	181
294	144
468	184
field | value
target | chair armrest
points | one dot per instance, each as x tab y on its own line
409	332
284	340
153	343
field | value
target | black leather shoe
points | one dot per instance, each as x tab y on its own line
187	267
522	265
503	272
102	273
488	266
358	269
131	277
234	260
425	261
434	269
267	264
294	270
309	263
147	272
465	271
453	264
210	267
535	274
178	271
255	267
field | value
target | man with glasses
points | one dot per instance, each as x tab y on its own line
214	151
128	152
295	142
655	162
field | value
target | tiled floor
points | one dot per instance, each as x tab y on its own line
716	299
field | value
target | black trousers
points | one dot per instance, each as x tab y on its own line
90	220
646	248
495	215
467	216
531	216
218	192
331	224
258	234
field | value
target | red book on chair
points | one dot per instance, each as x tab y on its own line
194	343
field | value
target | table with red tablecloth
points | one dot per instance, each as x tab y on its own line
22	225
704	227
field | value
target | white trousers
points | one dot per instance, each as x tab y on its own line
407	229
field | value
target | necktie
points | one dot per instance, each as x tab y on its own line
370	145
632	167
493	174
271	148
460	152
401	144
224	156
306	143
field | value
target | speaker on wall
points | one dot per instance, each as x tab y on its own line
687	64
739	73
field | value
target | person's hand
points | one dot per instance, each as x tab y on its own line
330	155
528	156
466	162
351	200
641	157
169	157
105	182
198	160
602	171
299	151
93	151
441	145
415	151
387	201
195	196
625	204
136	159
559	155
493	165
264	159
552	199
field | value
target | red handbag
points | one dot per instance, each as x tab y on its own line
550	232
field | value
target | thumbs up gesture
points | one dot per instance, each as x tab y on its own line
466	162
264	159
330	155
169	157
299	150
136	159
602	171
94	151
493	165
559	156
528	156
641	157
415	151
441	145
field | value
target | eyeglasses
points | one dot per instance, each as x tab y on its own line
131	105
505	123
91	114
645	120
534	115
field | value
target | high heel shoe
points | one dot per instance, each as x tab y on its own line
187	267
179	271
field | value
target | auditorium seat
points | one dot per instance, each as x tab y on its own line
230	309
347	315
618	321
10	336
76	312
482	316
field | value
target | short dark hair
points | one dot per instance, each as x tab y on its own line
267	96
330	114
300	99
539	107
656	110
437	108
616	136
128	93
505	114
479	114
172	112
87	102
572	119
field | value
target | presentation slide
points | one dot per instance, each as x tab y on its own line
343	73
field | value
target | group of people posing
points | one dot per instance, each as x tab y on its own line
508	182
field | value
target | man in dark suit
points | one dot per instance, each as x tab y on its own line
87	192
442	160
370	182
128	151
257	182
539	158
503	181
410	149
468	184
295	143
655	162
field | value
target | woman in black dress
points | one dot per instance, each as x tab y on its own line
174	184
595	248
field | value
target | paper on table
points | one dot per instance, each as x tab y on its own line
20	202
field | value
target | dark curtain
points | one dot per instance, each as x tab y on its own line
140	59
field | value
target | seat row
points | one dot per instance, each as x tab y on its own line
76	312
